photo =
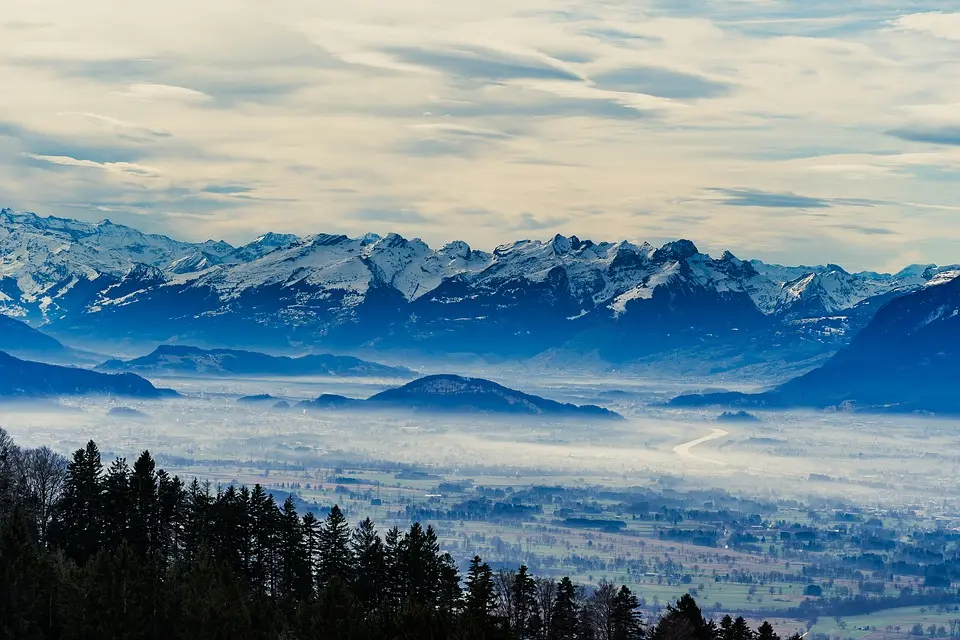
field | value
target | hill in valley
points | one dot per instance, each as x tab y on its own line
457	394
27	379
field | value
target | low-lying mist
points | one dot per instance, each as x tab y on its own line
892	461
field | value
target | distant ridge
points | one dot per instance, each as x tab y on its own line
176	359
906	359
27	379
454	394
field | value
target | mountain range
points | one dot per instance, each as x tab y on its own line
621	301
906	359
459	395
187	360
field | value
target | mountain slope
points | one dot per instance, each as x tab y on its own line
906	359
19	337
26	379
176	359
456	394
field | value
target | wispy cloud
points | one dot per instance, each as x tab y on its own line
116	167
948	135
571	119
756	198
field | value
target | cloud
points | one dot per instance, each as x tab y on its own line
945	135
478	63
936	23
304	115
660	82
771	200
116	124
116	167
150	92
870	231
529	222
393	216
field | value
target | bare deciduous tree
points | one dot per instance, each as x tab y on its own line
546	594
45	473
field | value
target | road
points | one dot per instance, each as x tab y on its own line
683	450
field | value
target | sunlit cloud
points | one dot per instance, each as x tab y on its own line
798	132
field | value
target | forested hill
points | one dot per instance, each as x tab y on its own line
132	552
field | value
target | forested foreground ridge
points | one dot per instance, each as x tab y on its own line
131	552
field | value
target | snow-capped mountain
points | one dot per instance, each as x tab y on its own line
621	299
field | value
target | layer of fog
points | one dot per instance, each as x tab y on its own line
888	461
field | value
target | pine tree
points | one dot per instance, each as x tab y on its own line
371	565
480	601
396	587
526	621
311	545
565	617
116	505
170	523
627	624
261	534
335	559
143	504
766	632
78	525
741	630
295	581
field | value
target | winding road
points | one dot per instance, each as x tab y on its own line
683	450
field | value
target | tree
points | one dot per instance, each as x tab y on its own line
116	505
545	595
626	623
526	622
45	473
766	632
335	559
371	564
600	610
78	526
480	600
685	621
565	617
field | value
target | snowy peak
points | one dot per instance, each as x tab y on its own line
674	251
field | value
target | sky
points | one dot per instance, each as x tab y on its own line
798	132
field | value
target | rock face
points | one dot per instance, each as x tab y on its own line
906	359
26	379
456	394
175	359
620	300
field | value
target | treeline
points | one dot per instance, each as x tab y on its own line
132	552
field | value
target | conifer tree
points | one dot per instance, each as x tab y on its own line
480	601
765	632
565	617
78	524
627	624
335	559
143	505
371	564
116	505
